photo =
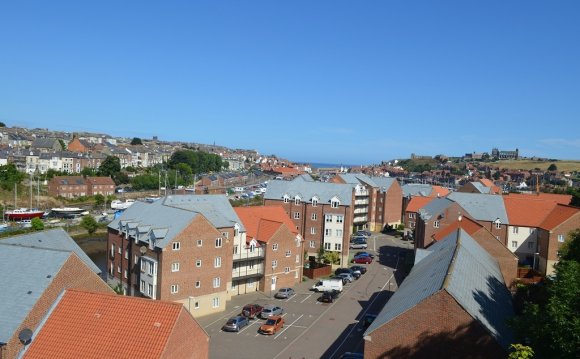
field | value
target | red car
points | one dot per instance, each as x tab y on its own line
362	260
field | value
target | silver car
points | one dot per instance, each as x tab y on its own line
270	310
235	324
347	276
284	293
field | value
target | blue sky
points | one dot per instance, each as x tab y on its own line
322	81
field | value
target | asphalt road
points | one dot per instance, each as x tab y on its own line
313	329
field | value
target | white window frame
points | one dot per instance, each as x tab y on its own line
314	216
217	282
175	267
314	202
312	230
176	246
328	232
298	258
296	215
338	246
328	218
497	225
339	219
217	262
274	263
275	246
218	242
174	288
334	204
514	244
198	263
286	200
286	270
561	238
199	242
288	253
312	244
326	246
436	224
215	302
296	200
198	284
339	233
515	230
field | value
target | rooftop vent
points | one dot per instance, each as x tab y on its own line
25	336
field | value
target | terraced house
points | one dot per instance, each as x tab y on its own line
178	249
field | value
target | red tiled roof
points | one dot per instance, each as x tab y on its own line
262	222
527	211
96	325
558	198
101	180
287	170
439	191
486	182
559	214
466	224
416	203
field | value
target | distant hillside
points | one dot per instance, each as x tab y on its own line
565	165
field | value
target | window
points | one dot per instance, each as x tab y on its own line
250	283
199	242
119	249
296	215
150	268
136	259
286	199
411	215
327	246
118	269
531	245
126	254
286	269
218	242
217	282
532	230
217	262
196	305
175	246
175	267
174	288
198	263
561	238
312	230
298	258
236	249
514	244
436	224
328	232
288	253
215	302
328	218
125	273
339	232
334	204
312	244
251	265
225	235
337	246
150	290
313	216
498	225
274	264
297	200
142	286
314	202
514	230
275	246
198	284
339	219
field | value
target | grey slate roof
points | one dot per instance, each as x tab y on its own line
164	219
45	143
481	188
458	265
27	272
434	207
384	183
482	207
52	239
416	189
325	191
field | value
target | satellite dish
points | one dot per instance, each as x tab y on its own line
25	336
143	250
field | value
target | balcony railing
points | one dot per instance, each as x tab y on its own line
248	272
361	202
245	254
363	192
360	219
361	210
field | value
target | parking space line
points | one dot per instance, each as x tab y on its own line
247	326
289	325
303	300
222	318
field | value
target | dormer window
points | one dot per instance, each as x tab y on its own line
314	201
286	199
297	200
497	224
334	204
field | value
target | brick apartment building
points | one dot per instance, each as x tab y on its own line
76	186
554	231
321	212
39	270
453	304
412	190
178	249
377	200
270	254
86	324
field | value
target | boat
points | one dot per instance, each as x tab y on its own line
21	214
120	205
65	212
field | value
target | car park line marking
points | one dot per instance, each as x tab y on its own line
288	326
303	300
247	326
362	316
222	318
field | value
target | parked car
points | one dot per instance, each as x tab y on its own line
349	277
359	254
363	233
362	260
235	324
252	311
329	296
357	245
284	293
325	285
270	310
361	269
272	325
344	280
342	270
356	274
358	239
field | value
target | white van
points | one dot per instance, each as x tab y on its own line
328	285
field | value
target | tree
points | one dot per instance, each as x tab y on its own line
9	176
551	324
89	223
521	351
110	166
2	124
136	141
62	144
99	199
87	172
320	254
552	167
37	224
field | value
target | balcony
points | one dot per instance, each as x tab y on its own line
360	202
360	219
361	192
244	272
361	211
246	254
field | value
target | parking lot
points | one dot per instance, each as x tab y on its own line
312	329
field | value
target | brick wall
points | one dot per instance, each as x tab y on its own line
286	241
435	328
507	261
73	274
188	340
549	245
